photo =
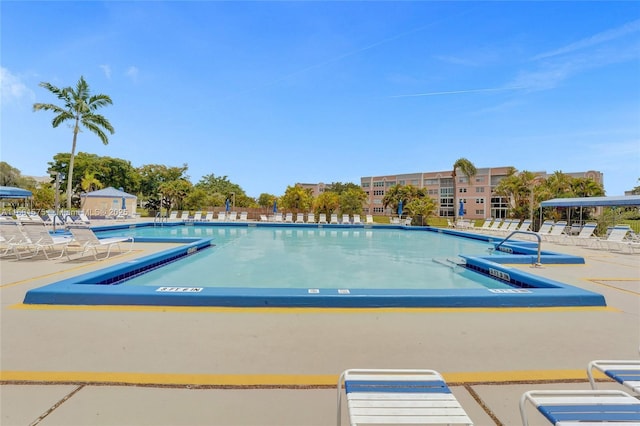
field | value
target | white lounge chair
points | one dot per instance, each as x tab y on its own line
345	219
582	407
557	232
184	216
407	221
208	217
625	372
299	217
277	217
41	240
584	236
311	218
288	218
197	216
496	225
357	220
524	226
87	240
244	216
83	218
14	240
369	219
264	218
545	228
232	216
615	239
322	218
485	225
334	219
398	397
173	215
222	216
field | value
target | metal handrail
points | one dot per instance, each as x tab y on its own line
526	233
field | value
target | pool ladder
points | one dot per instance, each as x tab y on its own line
159	219
537	263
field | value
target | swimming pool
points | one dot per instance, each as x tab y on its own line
326	266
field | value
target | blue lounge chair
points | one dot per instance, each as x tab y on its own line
578	407
399	397
625	372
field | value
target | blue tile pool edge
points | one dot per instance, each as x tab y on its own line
528	290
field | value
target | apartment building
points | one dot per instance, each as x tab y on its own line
478	195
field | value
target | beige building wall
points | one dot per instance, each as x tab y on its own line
478	196
108	206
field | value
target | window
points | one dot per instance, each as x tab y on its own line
479	212
446	191
433	192
378	192
390	183
378	210
479	179
462	190
401	182
479	200
479	188
431	182
365	184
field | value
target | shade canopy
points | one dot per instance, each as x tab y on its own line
13	192
627	200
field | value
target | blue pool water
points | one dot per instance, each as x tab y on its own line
262	265
319	258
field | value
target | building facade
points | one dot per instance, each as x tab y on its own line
477	194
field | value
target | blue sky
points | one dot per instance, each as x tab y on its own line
274	93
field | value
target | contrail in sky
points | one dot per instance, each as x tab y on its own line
457	92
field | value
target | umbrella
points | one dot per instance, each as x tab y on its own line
400	208
124	204
275	206
461	209
227	204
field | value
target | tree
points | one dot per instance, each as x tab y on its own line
328	202
109	171
423	207
80	108
397	193
10	176
152	176
351	200
297	198
469	170
266	200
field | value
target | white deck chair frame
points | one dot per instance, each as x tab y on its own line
585	404
388	396
87	240
625	372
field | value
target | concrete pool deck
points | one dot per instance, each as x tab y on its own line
76	365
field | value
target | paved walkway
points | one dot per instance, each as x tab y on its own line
222	366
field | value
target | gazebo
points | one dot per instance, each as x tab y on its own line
109	202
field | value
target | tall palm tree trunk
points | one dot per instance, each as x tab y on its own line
71	160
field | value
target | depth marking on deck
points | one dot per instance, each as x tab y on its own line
301	310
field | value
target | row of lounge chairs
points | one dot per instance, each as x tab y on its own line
25	240
619	237
388	396
276	217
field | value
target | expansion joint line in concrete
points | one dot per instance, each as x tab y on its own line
56	405
482	404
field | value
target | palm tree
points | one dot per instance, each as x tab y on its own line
469	170
79	107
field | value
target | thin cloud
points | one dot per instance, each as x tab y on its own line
459	92
12	88
132	73
107	71
605	36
